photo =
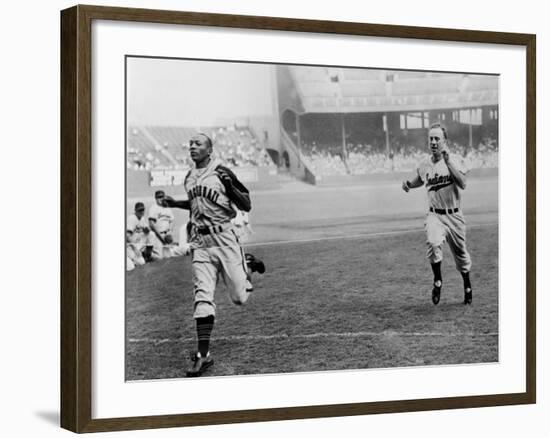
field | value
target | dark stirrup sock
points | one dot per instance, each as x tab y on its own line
466	279
436	268
204	330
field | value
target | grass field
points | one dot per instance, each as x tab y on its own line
347	287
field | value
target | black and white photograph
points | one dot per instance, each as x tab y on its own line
275	219
290	218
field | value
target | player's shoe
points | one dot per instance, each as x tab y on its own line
254	264
249	286
199	364
436	292
148	254
468	295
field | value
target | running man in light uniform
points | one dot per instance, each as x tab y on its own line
444	176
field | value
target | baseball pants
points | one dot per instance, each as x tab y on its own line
134	254
160	250
220	256
135	248
452	228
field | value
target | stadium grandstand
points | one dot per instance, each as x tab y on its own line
330	124
161	147
350	121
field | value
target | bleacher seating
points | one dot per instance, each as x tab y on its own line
141	151
481	83
404	75
238	147
359	74
318	89
323	88
339	90
167	147
427	86
310	74
363	88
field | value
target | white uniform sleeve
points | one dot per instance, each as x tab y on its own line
131	223
170	214
154	211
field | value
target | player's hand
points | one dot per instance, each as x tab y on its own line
168	239
445	153
225	179
405	186
187	248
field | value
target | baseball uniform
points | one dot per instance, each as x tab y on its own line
445	220
164	218
217	252
138	230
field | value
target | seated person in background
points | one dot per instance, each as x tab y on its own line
161	221
138	246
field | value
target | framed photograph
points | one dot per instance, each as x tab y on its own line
305	218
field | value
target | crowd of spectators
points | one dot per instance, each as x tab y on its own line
167	148
361	159
237	147
140	154
324	160
485	155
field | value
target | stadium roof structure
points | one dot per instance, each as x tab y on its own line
353	90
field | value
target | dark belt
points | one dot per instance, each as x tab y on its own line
444	211
212	230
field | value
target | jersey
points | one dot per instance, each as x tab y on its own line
163	217
217	255
442	191
137	227
210	204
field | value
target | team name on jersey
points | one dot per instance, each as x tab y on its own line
203	192
438	181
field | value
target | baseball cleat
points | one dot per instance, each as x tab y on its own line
254	264
468	295
436	292
199	364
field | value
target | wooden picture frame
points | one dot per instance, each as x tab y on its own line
76	217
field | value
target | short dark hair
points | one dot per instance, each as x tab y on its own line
440	126
159	194
139	206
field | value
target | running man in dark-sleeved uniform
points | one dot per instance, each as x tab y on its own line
213	190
